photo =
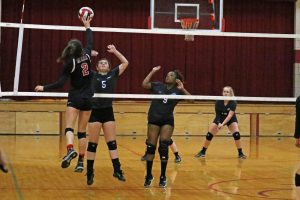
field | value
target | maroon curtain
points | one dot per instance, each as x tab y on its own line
252	66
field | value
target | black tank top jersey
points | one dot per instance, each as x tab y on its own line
222	110
163	107
79	71
104	84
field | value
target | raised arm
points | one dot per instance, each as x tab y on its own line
180	86
89	35
58	84
146	82
124	62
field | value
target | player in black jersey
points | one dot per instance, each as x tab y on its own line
77	67
297	143
102	116
3	162
225	115
172	146
161	120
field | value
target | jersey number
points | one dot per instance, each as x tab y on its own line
165	100
85	69
103	84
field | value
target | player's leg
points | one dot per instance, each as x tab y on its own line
152	137
83	119
71	116
94	129
109	129
174	149
166	132
143	158
212	131
234	129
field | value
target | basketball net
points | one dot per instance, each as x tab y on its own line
189	24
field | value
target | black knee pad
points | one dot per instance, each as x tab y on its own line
69	129
81	135
92	147
209	136
171	142
112	145
163	150
151	149
236	136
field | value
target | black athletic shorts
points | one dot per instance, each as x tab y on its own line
160	121
80	104
233	119
102	115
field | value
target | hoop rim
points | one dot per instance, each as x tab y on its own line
189	20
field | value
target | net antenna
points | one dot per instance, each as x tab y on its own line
189	24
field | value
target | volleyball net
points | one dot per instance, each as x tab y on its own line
35	27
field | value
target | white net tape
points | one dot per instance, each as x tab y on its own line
145	96
152	31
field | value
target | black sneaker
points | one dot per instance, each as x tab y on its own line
148	181
119	175
67	159
79	167
143	158
242	156
3	168
163	182
200	155
90	177
177	159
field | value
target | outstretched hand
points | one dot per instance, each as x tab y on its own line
155	69
39	88
86	22
111	48
94	53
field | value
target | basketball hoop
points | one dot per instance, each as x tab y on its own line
189	24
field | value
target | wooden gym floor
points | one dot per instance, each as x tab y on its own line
268	173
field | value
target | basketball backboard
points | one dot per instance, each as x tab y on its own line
167	13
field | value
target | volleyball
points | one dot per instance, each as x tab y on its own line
85	12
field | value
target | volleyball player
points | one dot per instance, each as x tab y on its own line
161	120
174	149
102	116
77	67
3	162
297	143
225	115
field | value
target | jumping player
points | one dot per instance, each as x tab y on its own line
161	120
102	116
225	115
77	67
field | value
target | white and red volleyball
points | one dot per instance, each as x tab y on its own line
85	12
